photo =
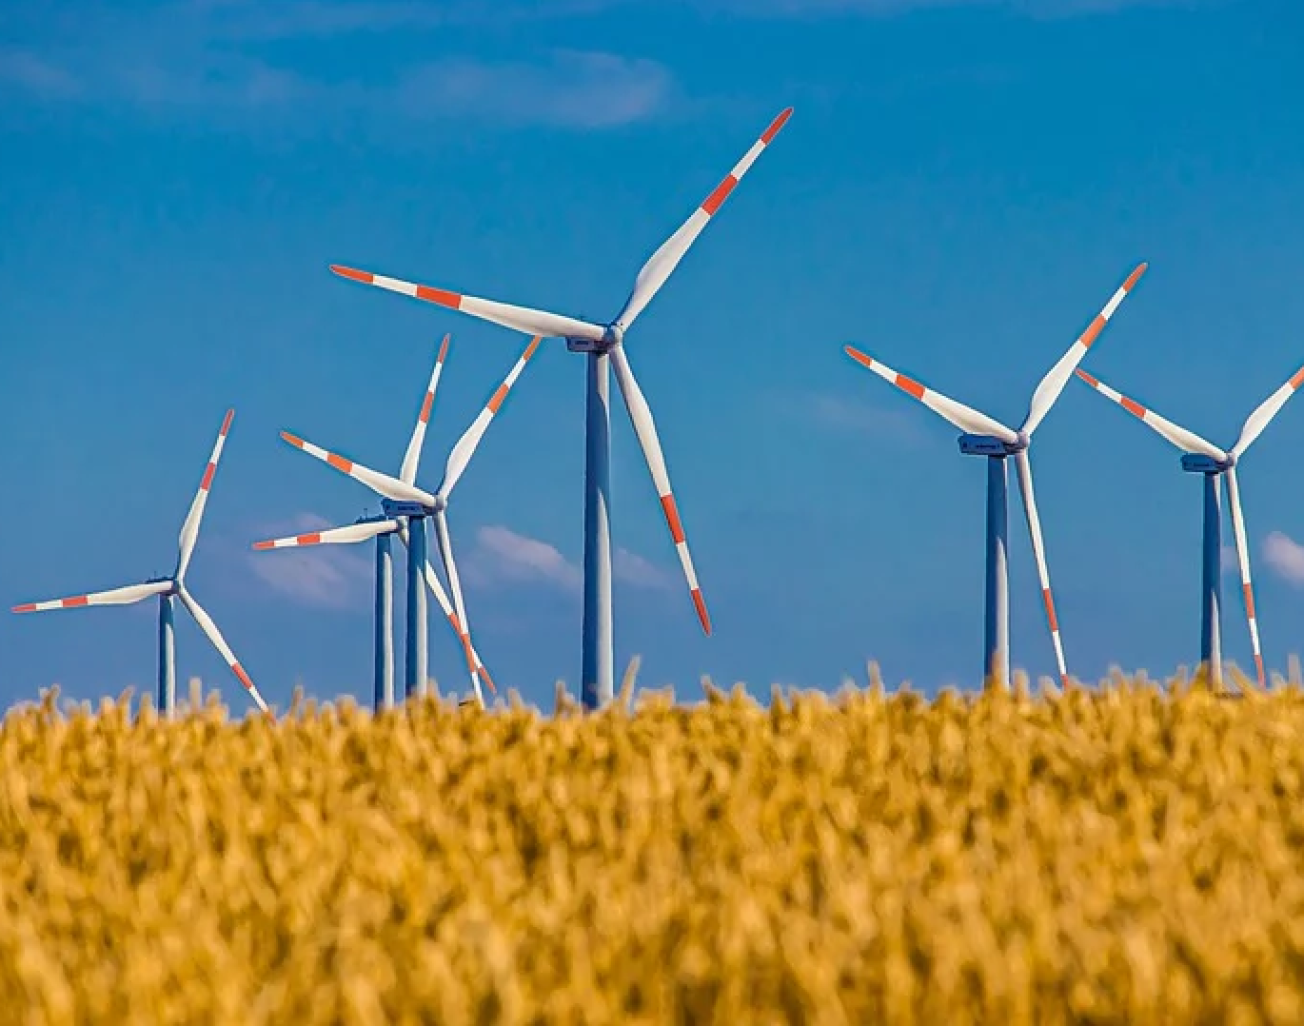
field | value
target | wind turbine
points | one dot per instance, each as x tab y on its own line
382	528
604	343
407	508
168	588
985	436
1202	457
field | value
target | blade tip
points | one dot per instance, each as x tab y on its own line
1093	382
776	125
26	607
351	273
294	440
1135	276
702	615
443	349
260	546
226	422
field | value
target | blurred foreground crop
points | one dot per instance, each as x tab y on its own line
1133	853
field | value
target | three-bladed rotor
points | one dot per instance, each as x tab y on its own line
582	335
1015	442
1221	463
176	584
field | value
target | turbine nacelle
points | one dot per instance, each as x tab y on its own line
1198	463
612	336
990	445
412	510
164	579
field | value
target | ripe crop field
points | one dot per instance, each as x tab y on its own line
1130	853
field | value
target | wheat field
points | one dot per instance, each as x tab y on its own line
1133	852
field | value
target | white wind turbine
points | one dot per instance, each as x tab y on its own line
1202	457
988	437
407	507
166	588
604	343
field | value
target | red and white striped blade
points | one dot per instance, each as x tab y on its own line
437	589
1039	552
209	628
114	597
454	582
381	484
466	445
1243	558
190	529
645	428
1187	441
412	458
660	265
334	536
1052	385
520	318
966	418
1269	408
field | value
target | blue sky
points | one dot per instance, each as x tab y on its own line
960	188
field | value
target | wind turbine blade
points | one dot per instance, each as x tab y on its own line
1039	551
966	418
209	628
1187	441
660	265
381	484
519	318
644	426
437	589
114	597
1048	391
190	529
412	458
1243	557
335	536
450	568
1269	408
466	445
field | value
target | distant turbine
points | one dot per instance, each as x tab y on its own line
987	437
166	588
1201	457
603	343
380	528
405	503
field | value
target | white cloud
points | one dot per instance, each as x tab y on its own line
222	54
568	89
35	74
634	569
1285	557
1228	559
502	555
320	576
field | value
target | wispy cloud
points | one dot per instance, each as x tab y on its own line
32	73
1285	557
843	415
634	569
230	54
503	556
323	577
566	89
809	9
